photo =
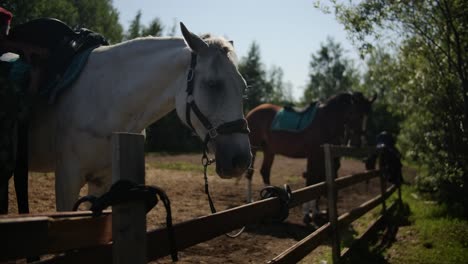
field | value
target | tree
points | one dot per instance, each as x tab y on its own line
330	72
382	78
262	86
432	39
155	28
252	70
97	15
134	30
280	92
24	10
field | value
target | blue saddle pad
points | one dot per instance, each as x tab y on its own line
71	74
293	121
19	73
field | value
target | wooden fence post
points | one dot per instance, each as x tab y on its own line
383	183
383	189
128	219
332	200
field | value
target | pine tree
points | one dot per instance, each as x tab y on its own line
330	72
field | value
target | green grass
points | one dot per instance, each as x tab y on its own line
437	236
426	234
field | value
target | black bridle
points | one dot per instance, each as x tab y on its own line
236	126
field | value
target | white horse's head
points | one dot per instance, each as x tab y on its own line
212	102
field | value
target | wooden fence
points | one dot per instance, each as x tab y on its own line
117	238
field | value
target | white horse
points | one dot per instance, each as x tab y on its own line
125	88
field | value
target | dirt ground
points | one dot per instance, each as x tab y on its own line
185	189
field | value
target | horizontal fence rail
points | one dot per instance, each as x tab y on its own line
353	152
317	238
95	241
372	229
38	234
88	239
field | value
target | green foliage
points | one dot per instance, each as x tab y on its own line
25	10
330	72
432	83
97	15
437	236
252	70
381	77
100	16
262	86
136	29
154	29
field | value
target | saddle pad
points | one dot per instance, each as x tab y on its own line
286	120
70	75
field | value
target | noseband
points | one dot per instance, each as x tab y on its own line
236	126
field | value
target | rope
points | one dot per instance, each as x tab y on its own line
125	191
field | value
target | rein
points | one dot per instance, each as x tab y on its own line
236	126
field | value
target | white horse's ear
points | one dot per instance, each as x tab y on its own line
195	43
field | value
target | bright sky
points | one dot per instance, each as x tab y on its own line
288	32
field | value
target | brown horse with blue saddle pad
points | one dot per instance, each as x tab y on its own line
341	119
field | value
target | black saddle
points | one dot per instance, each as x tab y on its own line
59	39
299	111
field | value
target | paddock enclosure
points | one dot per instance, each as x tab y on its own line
198	234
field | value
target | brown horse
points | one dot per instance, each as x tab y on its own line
341	119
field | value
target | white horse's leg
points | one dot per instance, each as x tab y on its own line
306	208
310	211
314	207
99	183
68	182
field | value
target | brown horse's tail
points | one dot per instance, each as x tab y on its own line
259	120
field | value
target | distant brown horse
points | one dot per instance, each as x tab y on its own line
340	119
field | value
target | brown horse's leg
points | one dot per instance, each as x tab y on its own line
268	158
314	174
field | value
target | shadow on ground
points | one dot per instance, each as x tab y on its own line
371	251
281	230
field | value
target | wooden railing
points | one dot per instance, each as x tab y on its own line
88	239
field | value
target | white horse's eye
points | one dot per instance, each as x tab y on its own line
213	84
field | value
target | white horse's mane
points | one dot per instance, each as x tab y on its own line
218	42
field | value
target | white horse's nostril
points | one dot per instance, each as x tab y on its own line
240	162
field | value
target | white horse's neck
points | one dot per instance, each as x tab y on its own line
146	74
